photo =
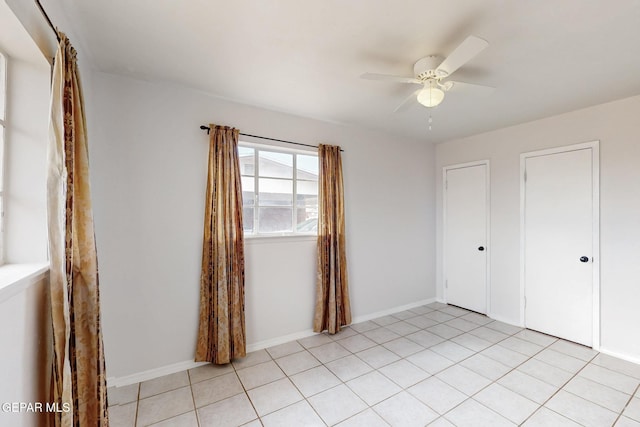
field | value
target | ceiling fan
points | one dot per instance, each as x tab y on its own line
432	76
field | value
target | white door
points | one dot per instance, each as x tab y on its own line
558	244
465	237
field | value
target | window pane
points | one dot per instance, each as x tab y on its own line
307	220
275	220
248	191
3	86
278	192
307	167
276	165
307	193
268	201
248	198
247	219
247	160
245	151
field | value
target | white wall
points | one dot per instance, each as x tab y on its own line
615	124
25	356
148	161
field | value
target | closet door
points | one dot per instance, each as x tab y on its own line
559	244
465	236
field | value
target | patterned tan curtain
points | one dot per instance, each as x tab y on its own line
221	335
78	377
332	292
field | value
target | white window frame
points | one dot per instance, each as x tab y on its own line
256	177
3	141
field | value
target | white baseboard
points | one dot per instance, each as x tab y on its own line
153	373
309	332
623	356
628	358
190	364
360	319
279	340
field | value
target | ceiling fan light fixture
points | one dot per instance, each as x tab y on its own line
446	86
431	96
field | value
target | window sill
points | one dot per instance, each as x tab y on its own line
285	238
15	278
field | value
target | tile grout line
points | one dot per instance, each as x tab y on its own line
402	389
497	379
304	398
493	344
478	352
454	362
405	358
167	391
562	388
235	371
515	368
467	397
271	382
620	415
193	398
401	335
135	420
345	382
322	364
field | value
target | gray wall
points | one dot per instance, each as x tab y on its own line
148	161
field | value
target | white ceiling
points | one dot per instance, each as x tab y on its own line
544	57
15	41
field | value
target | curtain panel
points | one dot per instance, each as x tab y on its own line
78	373
332	309
221	333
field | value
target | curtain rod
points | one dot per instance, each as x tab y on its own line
44	13
203	127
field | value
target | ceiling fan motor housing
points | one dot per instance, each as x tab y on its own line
426	68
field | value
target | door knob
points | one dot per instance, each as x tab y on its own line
584	259
481	248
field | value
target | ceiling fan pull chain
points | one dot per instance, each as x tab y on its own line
430	121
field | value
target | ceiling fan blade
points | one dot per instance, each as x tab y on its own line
462	87
407	102
464	52
388	78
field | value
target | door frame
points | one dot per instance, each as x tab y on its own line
595	240
445	169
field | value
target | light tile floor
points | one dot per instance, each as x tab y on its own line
433	365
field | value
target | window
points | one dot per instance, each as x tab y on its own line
3	104
279	191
